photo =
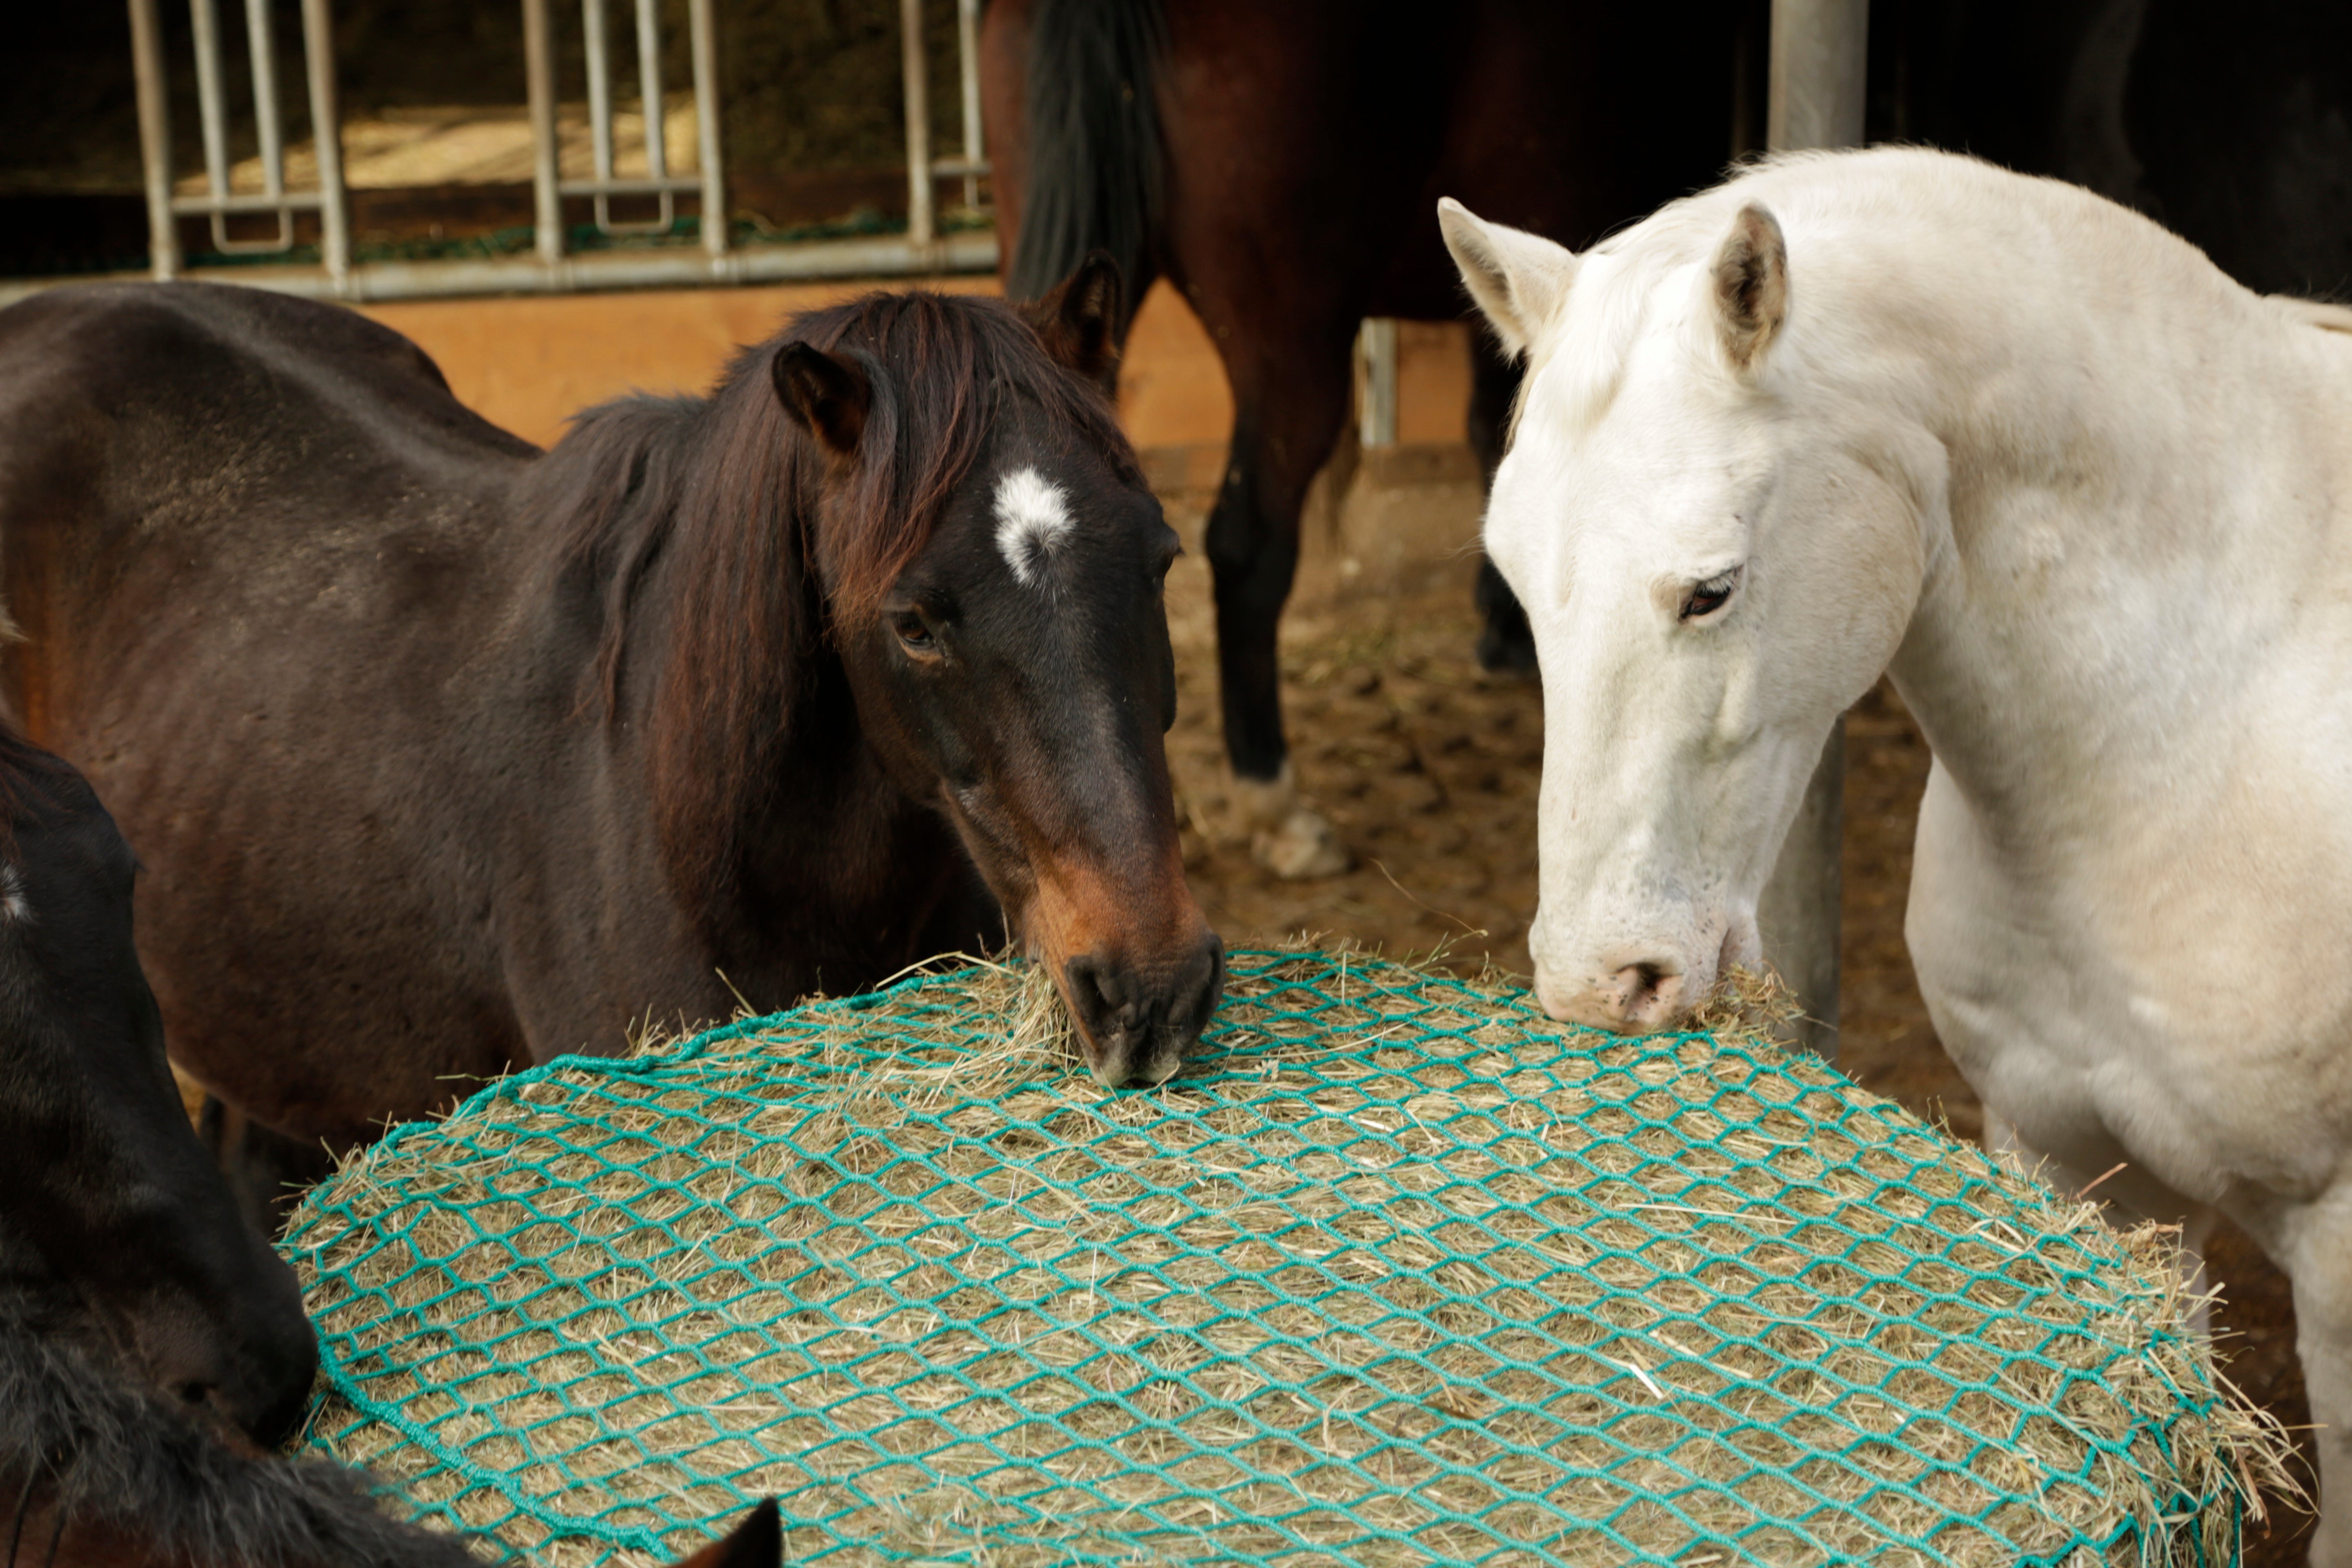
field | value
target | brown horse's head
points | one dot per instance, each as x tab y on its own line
965	590
117	1236
1005	638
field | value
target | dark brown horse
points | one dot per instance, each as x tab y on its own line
99	1472
149	1337
1280	164
447	755
119	1243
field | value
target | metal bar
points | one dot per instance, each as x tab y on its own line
211	112
649	88
1819	56
154	138
603	186
262	45
212	117
921	227
249	202
538	65
624	187
705	39
677	268
952	168
600	102
975	155
327	138
1820	53
1378	349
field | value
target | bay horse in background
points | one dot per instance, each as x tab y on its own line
1277	164
446	756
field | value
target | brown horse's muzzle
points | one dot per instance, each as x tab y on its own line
1137	965
1136	1021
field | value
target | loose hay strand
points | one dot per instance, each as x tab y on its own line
1400	1272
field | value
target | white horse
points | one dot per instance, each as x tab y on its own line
2090	502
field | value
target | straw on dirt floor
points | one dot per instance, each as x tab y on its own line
1400	1272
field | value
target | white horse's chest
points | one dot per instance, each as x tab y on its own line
2167	999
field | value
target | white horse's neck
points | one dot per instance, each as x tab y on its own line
2149	481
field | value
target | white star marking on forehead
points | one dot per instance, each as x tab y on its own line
1032	516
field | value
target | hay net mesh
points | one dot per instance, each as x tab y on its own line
1398	1272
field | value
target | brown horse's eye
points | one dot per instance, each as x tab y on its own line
1711	596
913	633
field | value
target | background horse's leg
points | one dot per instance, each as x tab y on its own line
267	1171
1504	643
1289	406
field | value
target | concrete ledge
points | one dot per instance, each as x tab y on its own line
1200	466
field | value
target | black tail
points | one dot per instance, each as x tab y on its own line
1095	175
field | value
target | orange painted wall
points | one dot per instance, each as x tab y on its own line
530	363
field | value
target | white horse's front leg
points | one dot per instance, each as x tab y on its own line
2319	1263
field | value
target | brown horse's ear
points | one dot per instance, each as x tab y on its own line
824	395
1751	285
757	1543
1079	320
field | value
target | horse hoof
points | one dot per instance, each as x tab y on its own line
1303	844
1285	834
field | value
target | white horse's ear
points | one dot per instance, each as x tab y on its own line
1750	280
1517	278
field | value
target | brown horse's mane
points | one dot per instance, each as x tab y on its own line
772	544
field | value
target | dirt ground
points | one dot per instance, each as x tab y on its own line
1429	769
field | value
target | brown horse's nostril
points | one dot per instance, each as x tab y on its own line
1137	1021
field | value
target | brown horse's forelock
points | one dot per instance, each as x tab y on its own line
943	368
766	532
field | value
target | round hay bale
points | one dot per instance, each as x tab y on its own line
1400	1272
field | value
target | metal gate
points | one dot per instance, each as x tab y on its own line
551	268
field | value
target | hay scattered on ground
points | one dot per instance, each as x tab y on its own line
1401	1273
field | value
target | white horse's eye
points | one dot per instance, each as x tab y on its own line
1711	596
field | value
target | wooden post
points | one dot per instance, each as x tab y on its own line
1819	54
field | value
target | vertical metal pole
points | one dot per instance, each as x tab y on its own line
327	136
968	60
600	102
1377	421
262	45
154	138
705	39
538	65
649	88
921	229
1819	54
212	112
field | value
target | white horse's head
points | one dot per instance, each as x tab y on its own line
1718	551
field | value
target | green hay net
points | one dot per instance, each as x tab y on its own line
1399	1273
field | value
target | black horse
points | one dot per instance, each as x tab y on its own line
149	1337
97	1471
120	1242
446	756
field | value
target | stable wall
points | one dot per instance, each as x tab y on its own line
528	363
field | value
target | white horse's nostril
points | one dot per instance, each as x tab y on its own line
1648	994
